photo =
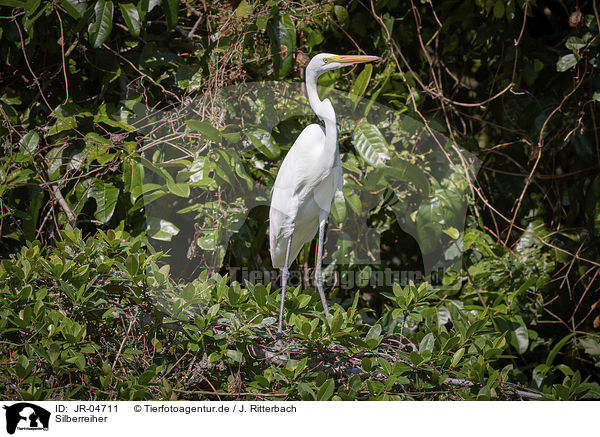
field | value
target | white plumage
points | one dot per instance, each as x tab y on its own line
303	192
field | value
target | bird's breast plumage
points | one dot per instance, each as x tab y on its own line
303	191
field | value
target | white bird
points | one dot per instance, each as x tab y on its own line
307	180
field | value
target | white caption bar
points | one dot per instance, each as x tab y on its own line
150	418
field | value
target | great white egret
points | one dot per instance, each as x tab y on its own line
307	180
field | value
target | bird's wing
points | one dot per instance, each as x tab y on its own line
299	171
296	177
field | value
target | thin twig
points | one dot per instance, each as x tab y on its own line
35	79
124	340
62	52
64	205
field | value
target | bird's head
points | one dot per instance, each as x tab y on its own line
320	64
323	62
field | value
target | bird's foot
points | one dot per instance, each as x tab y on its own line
280	344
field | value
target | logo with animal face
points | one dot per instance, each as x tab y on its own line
26	416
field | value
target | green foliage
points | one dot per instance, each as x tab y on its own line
283	43
371	144
101	316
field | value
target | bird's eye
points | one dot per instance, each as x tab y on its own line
327	61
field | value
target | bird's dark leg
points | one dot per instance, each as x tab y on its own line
318	274
284	278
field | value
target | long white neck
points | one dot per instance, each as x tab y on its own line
323	109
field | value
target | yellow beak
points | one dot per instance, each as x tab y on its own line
352	59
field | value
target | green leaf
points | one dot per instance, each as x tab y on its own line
29	142
326	390
353	200
300	367
243	9
557	347
23	367
208	240
415	358
99	31
34	207
427	343
306	393
148	375
306	328
132	264
303	300
386	367
235	355
452	232
161	229
131	17
499	9
341	14
143	8
189	78
374	332
133	179
314	38
336	322
155	169
97	148
214	357
31	6
457	356
566	62
282	33
264	142
171	8
575	43
206	129
566	370
338	207
181	190
260	295
106	195
366	364
54	162
214	310
76	158
75	8
261	22
371	144
102	116
62	124
591	345
400	170
525	286
360	84
13	3
521	336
